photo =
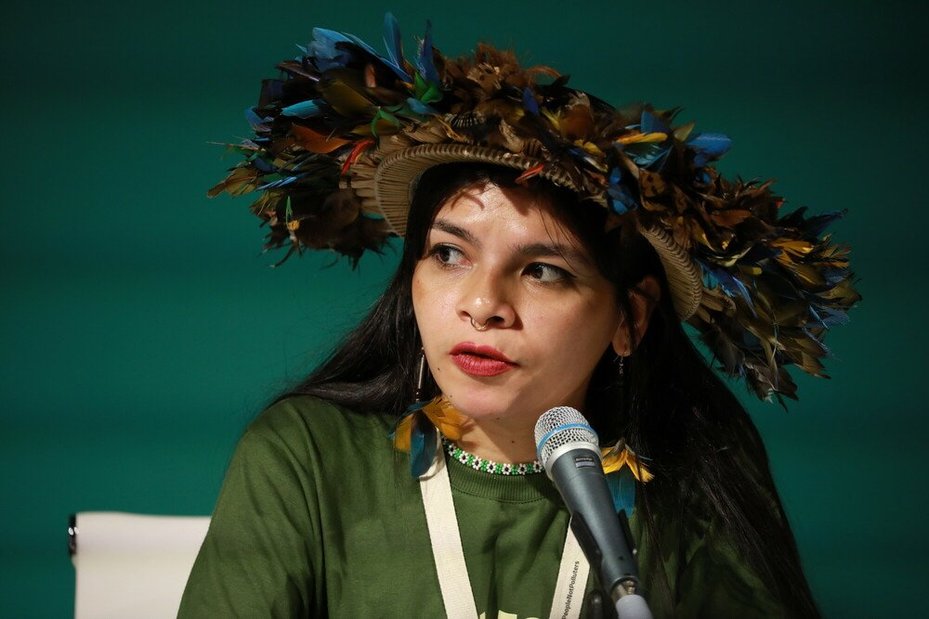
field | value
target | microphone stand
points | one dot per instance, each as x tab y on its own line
627	602
626	599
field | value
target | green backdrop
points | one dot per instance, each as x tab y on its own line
142	326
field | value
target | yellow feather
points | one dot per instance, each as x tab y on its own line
618	456
402	434
635	138
444	417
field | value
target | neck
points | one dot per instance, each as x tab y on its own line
499	440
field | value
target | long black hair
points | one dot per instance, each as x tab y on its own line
668	404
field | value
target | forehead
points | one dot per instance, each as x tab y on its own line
507	211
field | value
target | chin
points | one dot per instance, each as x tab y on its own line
477	409
495	406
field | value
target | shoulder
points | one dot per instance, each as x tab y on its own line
301	418
309	436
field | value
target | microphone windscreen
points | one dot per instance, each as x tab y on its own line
559	426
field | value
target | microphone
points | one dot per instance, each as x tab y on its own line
568	448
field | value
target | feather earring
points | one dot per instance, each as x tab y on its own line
623	469
417	431
414	433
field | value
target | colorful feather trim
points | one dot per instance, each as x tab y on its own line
773	283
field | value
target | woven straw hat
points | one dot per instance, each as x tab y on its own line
343	136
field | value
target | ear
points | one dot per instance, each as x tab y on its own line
643	297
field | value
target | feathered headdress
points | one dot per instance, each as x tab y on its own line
343	135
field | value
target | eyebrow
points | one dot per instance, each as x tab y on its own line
450	228
533	250
570	254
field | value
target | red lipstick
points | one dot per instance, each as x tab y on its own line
480	360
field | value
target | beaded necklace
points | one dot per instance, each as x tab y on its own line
489	466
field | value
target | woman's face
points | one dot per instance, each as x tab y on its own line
497	258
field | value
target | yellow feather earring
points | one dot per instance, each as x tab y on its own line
415	432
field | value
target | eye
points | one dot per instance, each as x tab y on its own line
447	255
547	273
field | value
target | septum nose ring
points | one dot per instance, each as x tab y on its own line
479	327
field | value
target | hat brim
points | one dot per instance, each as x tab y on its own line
397	175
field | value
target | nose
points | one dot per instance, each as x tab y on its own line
486	302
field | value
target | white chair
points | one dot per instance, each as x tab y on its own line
132	565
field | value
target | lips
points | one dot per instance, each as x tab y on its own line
480	360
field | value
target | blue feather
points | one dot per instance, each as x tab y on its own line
422	444
287	180
304	109
616	176
730	284
709	280
823	349
529	102
650	123
830	317
394	44
621	200
578	153
420	108
834	275
325	44
263	165
425	62
360	43
622	488
708	146
816	225
393	66
819	320
323	49
647	155
330	51
253	118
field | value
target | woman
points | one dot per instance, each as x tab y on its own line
552	246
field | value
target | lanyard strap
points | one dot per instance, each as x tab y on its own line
446	541
572	580
450	563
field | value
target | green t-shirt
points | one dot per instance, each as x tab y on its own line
319	516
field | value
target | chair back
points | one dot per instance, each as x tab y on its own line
132	565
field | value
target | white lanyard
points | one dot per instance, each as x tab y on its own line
450	562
